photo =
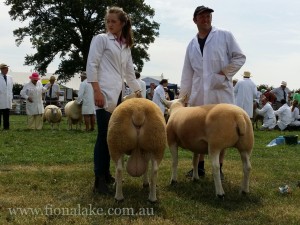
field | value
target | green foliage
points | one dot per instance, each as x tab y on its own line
17	88
54	169
65	29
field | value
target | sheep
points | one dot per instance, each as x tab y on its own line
74	114
256	116
137	128
209	129
53	115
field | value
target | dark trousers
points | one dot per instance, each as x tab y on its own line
101	153
5	113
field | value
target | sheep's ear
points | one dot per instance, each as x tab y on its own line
166	103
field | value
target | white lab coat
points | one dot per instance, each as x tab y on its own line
295	117
159	93
245	92
269	117
86	97
6	93
143	87
108	64
284	116
35	107
200	76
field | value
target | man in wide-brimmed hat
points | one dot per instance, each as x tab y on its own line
245	92
52	96
32	92
282	92
6	95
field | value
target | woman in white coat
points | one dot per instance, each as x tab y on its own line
32	92
86	98
295	114
109	63
159	93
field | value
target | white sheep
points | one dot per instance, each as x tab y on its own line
209	129
73	114
53	115
137	128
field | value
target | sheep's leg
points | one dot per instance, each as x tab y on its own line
153	181
246	169
174	154
214	157
195	166
119	168
146	176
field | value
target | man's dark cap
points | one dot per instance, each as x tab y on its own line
201	9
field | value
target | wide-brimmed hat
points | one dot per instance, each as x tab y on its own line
201	9
247	74
3	65
34	76
283	83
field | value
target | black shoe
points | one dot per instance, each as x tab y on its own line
201	173
101	186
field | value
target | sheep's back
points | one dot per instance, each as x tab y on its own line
73	110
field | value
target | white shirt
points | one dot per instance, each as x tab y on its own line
199	75
295	117
86	97
55	90
143	87
245	92
284	116
159	93
35	92
6	92
269	117
108	64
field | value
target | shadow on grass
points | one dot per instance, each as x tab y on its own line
203	191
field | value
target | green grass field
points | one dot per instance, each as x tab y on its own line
46	177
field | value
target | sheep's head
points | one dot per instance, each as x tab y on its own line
171	105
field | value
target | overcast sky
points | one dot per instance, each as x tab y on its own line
268	32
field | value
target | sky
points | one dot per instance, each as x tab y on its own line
267	31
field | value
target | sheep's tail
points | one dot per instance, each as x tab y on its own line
241	125
136	164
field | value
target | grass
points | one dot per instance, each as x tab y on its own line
49	174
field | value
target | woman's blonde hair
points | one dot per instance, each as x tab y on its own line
124	18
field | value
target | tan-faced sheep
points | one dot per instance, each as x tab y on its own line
137	128
73	114
209	129
53	115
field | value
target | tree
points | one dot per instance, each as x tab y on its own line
65	28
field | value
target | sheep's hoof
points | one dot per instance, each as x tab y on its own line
119	200
244	193
152	202
173	182
221	197
146	185
195	180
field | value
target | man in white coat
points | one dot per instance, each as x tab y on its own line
32	92
212	58
284	115
267	112
86	98
6	95
245	92
141	83
159	93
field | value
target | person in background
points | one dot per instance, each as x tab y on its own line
296	96
6	95
295	114
33	92
281	92
150	91
284	115
270	97
267	112
86	98
159	93
212	58
109	63
142	83
245	93
52	96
